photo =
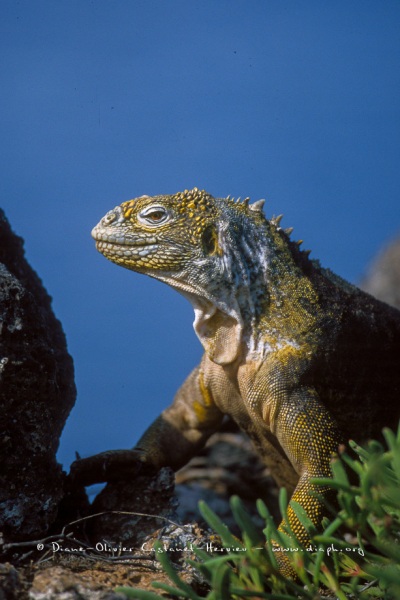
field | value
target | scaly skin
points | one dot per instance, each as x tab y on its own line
299	358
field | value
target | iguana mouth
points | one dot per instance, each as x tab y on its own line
126	249
121	239
118	244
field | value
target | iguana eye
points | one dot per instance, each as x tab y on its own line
153	215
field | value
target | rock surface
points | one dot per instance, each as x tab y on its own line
145	495
383	276
37	392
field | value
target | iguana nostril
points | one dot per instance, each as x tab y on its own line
109	218
116	214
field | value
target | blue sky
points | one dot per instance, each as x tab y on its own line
293	101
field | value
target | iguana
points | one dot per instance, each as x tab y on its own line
299	358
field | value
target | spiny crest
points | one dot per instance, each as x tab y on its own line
276	221
254	207
257	206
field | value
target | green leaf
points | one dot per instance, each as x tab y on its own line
173	575
355	465
303	517
217	525
339	472
221	582
391	439
360	450
388	575
245	522
393	443
337	485
283	501
263	509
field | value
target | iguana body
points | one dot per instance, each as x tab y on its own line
299	358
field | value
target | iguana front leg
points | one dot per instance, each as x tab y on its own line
173	438
309	436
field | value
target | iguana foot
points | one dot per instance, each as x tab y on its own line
111	465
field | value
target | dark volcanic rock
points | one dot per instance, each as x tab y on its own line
145	494
37	392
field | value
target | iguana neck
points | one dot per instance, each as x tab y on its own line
256	296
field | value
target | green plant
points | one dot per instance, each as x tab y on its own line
357	555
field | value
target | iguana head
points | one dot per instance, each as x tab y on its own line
212	250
